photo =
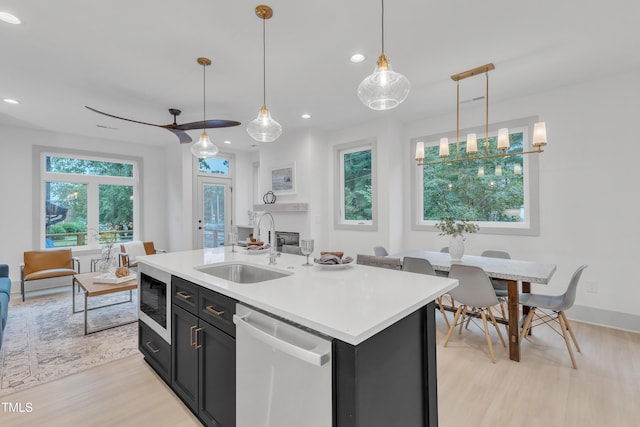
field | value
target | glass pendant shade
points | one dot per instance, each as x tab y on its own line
472	143
384	89
498	170
204	148
263	128
481	171
444	147
539	134
420	150
503	139
517	169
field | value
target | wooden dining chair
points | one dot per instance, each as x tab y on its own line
475	295
423	266
557	304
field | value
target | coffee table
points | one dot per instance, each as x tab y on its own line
85	281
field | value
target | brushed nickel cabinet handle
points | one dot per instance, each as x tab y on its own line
212	310
198	345
192	341
183	295
153	350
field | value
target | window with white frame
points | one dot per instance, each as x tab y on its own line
499	194
355	192
86	199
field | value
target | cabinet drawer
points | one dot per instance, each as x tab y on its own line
217	309
184	294
156	351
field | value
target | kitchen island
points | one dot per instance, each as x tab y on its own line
381	323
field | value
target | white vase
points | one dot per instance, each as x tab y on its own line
456	247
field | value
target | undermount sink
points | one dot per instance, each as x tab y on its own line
242	273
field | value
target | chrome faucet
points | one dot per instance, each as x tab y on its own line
273	253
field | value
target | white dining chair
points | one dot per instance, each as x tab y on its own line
475	295
557	304
379	261
499	286
380	251
423	266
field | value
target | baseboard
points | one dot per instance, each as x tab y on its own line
39	285
607	318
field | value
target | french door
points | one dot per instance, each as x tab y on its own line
213	213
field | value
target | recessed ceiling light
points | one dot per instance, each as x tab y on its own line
227	142
9	18
11	101
306	116
357	57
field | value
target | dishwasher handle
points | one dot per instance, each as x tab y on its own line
317	359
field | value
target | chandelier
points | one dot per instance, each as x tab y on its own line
472	153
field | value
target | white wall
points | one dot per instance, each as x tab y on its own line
588	195
390	154
308	150
17	180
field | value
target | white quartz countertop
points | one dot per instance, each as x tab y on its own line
351	304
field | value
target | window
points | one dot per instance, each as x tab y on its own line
355	189
215	165
86	199
500	194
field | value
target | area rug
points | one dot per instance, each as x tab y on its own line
44	340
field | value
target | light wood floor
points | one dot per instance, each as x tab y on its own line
541	390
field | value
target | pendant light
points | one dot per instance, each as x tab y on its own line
384	89
263	128
204	148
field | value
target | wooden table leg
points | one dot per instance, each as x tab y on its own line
526	289
514	321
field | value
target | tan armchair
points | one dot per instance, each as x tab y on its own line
39	265
130	250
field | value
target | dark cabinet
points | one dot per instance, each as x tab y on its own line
156	351
204	354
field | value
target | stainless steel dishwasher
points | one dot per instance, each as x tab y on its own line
283	373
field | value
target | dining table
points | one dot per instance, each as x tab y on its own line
512	271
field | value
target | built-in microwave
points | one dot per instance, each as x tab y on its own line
154	306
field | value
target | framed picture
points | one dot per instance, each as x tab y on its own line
283	179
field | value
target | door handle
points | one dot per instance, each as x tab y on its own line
192	341
198	345
181	294
212	310
153	350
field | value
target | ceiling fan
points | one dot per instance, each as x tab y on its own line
179	129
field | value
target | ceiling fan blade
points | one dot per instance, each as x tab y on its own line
182	136
122	118
206	124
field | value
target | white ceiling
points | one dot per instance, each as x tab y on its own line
136	59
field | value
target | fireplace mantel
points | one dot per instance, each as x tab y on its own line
282	207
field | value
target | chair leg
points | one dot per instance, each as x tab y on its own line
464	313
573	337
446	319
527	323
566	340
495	324
453	325
486	334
